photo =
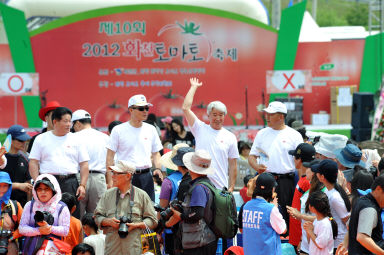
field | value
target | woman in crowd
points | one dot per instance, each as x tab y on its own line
180	135
47	195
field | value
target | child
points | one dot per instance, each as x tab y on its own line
75	235
83	249
243	191
262	221
94	238
321	231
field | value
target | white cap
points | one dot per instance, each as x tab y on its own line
80	114
138	100
275	107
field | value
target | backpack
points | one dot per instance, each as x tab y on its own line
225	222
12	210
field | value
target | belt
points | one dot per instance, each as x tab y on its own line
142	171
95	172
283	176
64	177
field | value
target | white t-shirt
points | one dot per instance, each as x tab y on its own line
135	145
324	238
221	145
58	155
96	144
338	211
304	246
276	144
97	242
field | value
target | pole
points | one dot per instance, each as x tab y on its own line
15	114
246	107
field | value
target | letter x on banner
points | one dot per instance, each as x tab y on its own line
292	81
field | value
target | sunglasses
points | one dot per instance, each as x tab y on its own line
141	108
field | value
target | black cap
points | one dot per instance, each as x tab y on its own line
178	158
328	168
311	163
304	151
265	182
47	182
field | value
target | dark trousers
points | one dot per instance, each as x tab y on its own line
209	249
70	185
145	182
285	189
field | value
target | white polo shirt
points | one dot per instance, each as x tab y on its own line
276	144
135	145
58	155
96	144
221	145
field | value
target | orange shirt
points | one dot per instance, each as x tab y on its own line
75	234
8	223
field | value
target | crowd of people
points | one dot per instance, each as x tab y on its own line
86	192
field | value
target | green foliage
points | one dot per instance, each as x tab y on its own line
328	18
2	137
357	15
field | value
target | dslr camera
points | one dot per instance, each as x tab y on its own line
4	237
41	216
123	228
165	214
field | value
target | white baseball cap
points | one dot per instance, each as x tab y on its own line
275	107
138	100
80	114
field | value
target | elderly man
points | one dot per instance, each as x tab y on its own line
214	138
60	153
124	201
96	144
137	142
269	153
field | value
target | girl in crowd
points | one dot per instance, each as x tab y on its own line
305	214
362	180
180	135
11	212
47	195
327	171
324	229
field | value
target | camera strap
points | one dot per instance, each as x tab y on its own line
131	202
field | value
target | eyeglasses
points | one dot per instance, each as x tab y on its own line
141	108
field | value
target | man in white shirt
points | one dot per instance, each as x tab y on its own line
96	144
138	143
214	138
60	153
269	153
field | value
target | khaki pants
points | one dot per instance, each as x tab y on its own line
96	186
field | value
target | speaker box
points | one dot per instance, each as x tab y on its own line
361	134
362	110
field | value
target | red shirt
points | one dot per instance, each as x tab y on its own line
243	194
294	224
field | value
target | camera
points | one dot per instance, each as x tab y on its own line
165	214
123	228
4	237
44	216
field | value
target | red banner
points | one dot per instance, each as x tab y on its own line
98	63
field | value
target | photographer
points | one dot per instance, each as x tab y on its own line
172	184
45	215
123	212
197	237
11	212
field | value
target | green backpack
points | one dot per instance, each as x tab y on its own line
224	223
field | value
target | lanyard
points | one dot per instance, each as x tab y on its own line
131	203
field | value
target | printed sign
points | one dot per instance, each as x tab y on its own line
296	81
17	84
